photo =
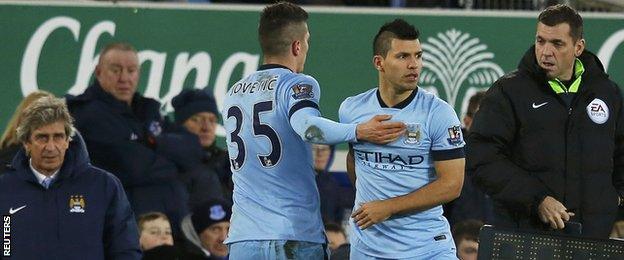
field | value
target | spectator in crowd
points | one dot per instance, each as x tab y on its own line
61	207
123	129
473	106
154	230
335	197
270	115
337	242
548	141
206	229
9	145
472	203
466	236
196	114
400	188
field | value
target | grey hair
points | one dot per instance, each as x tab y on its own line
44	111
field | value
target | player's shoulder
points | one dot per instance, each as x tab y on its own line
298	78
434	101
359	98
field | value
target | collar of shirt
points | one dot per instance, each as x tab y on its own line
38	174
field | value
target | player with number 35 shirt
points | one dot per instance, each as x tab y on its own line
270	117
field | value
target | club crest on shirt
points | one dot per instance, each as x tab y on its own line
302	91
455	136
77	204
412	136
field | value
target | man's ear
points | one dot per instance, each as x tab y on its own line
26	149
378	62
98	70
295	48
579	47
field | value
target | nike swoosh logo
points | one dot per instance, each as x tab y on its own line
540	105
13	211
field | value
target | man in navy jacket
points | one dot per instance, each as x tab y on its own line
55	203
123	129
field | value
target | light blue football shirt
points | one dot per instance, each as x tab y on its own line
401	167
275	194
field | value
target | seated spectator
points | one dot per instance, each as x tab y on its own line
334	198
154	230
123	129
61	207
9	145
196	113
206	228
337	242
466	236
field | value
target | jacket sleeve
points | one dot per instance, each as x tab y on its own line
618	156
121	236
488	155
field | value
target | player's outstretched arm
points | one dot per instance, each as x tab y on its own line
313	128
445	188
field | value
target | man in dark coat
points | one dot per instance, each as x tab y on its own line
123	130
57	205
548	142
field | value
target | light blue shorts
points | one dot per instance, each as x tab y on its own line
277	250
434	255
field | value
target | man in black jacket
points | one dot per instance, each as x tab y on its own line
123	131
547	143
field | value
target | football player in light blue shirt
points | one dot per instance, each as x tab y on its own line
269	117
400	187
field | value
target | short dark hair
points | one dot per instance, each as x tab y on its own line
474	102
397	29
150	216
557	14
467	229
280	24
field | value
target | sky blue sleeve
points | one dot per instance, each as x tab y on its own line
309	124
303	95
447	139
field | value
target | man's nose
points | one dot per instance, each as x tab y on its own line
547	50
413	63
125	75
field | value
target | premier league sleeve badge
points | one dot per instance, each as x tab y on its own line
455	136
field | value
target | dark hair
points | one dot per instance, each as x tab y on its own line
150	216
474	102
280	24
467	229
557	14
397	29
333	227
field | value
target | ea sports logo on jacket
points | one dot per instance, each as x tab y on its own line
598	111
